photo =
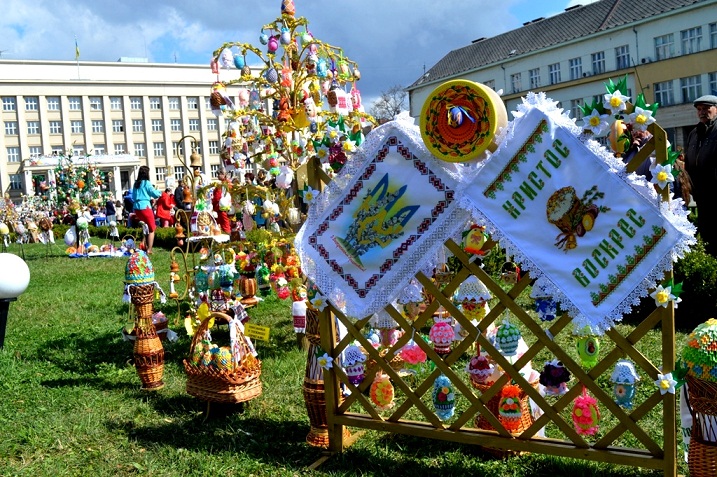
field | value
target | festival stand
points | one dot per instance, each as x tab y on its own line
587	422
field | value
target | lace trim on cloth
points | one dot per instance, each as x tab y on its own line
423	252
674	211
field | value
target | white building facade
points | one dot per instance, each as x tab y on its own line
124	114
667	49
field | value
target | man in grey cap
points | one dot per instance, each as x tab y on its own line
701	164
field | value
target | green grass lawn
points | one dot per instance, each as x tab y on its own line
70	402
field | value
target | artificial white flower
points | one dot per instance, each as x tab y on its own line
615	102
595	122
663	296
662	175
641	118
327	362
666	383
319	302
349	146
334	132
322	152
310	195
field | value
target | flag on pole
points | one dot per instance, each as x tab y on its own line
77	50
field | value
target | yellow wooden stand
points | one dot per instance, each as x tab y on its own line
658	452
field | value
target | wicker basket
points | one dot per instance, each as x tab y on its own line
526	418
225	386
702	458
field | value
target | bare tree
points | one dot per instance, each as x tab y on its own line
389	104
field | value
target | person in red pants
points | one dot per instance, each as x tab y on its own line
222	209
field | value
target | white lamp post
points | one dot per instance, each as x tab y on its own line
14	278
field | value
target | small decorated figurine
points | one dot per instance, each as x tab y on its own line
410	300
508	337
554	377
624	377
480	369
509	409
474	239
444	397
545	306
510	273
382	392
586	415
298	309
472	296
442	335
588	346
354	364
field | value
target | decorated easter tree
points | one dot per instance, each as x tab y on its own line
301	102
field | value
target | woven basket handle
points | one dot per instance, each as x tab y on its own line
199	334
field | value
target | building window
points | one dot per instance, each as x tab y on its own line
35	151
13	154
159	149
212	124
99	150
534	75
137	125
78	151
75	103
119	148
31	103
53	103
11	128
95	103
515	82
8	103
712	80
157	125
175	125
57	150
98	126
622	57
575	108
179	172
160	173
135	103
576	68
117	126
76	127
214	168
15	181
490	84
213	147
713	35
691	40
116	103
55	127
194	125
33	128
155	103
664	46
174	104
691	88
139	149
598	61
554	73
208	103
192	103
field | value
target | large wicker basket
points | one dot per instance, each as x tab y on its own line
240	384
702	458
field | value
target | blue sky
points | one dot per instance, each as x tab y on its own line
391	40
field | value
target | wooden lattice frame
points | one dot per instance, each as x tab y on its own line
654	455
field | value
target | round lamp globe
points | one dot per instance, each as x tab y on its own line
15	276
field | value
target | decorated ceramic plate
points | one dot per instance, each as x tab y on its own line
459	120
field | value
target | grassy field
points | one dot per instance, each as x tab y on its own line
70	402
